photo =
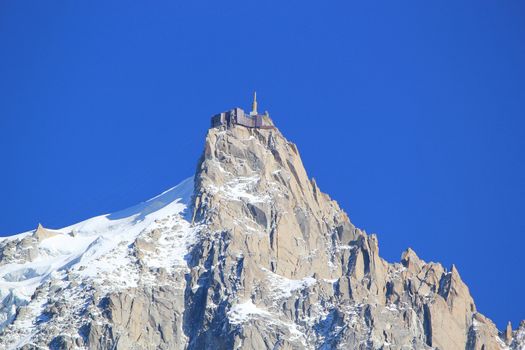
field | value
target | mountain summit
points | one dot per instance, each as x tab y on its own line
246	254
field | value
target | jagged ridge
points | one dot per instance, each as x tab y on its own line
249	255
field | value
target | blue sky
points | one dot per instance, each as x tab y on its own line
411	114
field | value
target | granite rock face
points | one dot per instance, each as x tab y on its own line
284	265
259	259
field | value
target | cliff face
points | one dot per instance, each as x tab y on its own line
284	265
249	254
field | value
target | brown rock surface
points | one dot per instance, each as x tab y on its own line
276	264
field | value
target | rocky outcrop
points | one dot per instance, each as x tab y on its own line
518	340
268	225
42	233
261	259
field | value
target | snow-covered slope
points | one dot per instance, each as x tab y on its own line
94	251
267	261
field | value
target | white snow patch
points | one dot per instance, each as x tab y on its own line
242	312
392	307
282	287
247	311
346	247
332	281
242	188
98	249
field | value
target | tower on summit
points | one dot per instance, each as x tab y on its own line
254	104
237	116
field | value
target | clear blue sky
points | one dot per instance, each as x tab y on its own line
411	114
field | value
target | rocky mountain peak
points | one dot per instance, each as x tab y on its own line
246	254
253	193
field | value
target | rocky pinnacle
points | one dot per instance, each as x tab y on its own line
260	258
